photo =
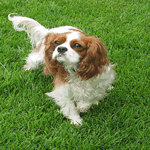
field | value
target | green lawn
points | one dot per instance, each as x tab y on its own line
29	119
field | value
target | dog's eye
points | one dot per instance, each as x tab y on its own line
57	43
76	45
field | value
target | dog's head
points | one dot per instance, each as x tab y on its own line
75	51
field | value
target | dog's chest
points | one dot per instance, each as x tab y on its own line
93	89
90	90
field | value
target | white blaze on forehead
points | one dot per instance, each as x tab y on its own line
73	36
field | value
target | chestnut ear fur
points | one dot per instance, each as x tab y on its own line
94	61
52	67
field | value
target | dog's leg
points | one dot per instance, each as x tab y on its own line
67	106
69	111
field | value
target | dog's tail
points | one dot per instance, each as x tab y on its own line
34	30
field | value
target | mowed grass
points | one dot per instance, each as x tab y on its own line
29	119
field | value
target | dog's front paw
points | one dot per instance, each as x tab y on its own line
76	121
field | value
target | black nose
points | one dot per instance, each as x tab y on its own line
62	49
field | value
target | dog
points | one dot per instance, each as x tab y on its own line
77	61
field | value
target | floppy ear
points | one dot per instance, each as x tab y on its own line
52	66
94	61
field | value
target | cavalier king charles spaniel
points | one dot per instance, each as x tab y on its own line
79	63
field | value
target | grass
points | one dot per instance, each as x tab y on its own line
29	119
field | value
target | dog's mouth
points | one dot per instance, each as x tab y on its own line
60	57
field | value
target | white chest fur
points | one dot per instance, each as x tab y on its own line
93	89
90	90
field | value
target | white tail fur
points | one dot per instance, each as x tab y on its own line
34	30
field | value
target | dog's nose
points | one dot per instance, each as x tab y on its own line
62	49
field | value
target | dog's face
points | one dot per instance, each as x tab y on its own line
68	47
83	53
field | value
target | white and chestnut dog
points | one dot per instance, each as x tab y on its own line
78	62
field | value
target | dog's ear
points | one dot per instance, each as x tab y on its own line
52	66
94	60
